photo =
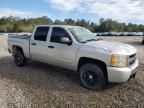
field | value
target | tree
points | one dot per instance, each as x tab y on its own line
17	24
58	22
69	21
16	28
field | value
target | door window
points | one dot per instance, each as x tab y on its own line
41	33
57	34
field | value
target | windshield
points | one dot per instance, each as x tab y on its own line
82	34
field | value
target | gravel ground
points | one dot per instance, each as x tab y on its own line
39	85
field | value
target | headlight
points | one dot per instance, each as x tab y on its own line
119	60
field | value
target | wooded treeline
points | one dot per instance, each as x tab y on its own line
16	24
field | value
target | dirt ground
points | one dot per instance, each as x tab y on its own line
39	85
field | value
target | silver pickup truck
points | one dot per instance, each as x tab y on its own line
76	48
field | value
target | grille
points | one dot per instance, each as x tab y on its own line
132	59
133	55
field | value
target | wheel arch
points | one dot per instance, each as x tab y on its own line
101	64
17	48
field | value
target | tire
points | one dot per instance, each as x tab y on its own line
92	77
19	59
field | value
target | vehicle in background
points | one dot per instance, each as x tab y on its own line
140	34
124	34
76	48
119	33
112	33
102	33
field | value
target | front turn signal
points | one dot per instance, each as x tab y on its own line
113	60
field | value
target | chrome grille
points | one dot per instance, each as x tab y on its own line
132	59
133	55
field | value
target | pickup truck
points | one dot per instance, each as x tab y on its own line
78	49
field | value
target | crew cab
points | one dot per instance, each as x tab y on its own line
76	48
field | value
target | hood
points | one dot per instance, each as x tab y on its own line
113	47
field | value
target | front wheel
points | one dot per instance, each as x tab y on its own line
19	59
92	77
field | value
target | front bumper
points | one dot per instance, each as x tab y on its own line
116	74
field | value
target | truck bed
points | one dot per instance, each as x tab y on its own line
23	41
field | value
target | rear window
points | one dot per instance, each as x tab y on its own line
41	33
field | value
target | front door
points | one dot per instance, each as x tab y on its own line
61	54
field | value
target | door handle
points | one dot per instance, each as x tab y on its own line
51	47
33	43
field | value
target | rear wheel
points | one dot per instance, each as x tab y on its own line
92	77
19	58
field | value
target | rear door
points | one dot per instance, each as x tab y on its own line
39	44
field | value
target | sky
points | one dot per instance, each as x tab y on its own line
92	10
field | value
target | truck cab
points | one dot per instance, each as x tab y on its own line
54	45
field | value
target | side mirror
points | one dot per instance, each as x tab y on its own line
66	40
